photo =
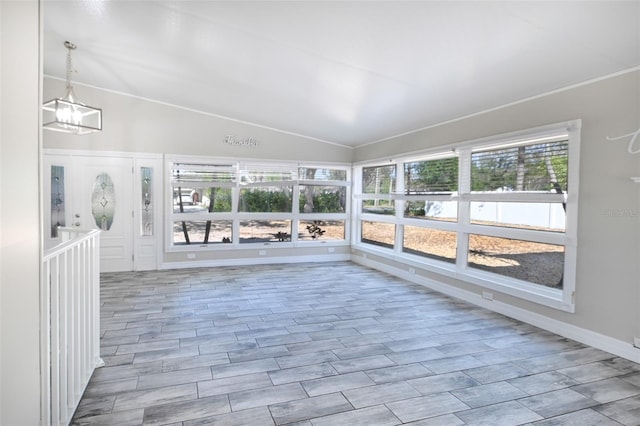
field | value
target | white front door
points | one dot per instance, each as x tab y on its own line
102	198
91	192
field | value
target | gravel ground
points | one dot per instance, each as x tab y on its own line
528	261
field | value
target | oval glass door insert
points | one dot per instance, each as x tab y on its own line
103	201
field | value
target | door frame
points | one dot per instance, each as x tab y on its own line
147	250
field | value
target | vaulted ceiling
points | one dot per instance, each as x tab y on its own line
347	72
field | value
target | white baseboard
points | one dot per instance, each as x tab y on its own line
256	261
570	331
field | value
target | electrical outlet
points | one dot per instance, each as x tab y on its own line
412	270
331	249
191	255
262	252
487	295
636	342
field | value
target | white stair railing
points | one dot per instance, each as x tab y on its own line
70	315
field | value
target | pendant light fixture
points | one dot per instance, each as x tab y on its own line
67	114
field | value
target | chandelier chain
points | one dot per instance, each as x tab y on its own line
70	46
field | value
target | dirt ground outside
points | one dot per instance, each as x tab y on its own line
528	261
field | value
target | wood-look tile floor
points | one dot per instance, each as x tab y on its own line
335	344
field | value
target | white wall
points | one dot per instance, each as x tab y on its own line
19	214
137	125
608	271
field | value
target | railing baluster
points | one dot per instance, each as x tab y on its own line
45	339
64	339
55	343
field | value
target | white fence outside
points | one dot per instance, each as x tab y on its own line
70	315
540	215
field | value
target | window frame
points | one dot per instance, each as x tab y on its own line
562	299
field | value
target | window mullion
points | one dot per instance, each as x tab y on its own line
464	188
399	208
356	192
295	210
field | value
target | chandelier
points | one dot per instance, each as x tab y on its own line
67	114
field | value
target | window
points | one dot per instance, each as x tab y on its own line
379	180
322	174
146	202
523	187
323	204
325	230
202	232
265	231
381	207
524	168
322	199
217	203
266	199
437	176
214	199
378	183
428	186
202	188
543	216
430	243
432	210
534	262
201	194
535	174
378	207
57	199
498	212
378	233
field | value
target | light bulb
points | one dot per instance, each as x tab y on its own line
63	114
77	116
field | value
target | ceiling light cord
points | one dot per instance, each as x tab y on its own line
70	95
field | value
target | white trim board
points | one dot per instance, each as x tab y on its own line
265	260
579	334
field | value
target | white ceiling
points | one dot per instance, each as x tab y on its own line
347	72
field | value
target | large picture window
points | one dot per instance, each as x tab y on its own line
498	212
216	203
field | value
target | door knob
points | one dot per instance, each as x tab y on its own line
77	224
77	215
